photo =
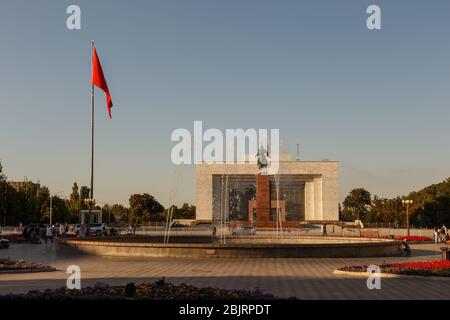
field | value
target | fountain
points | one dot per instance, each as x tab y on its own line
252	204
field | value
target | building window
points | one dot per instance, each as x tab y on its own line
236	191
291	189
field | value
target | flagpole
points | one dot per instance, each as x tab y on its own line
92	133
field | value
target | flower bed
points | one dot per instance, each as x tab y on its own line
413	238
439	268
159	290
410	238
8	265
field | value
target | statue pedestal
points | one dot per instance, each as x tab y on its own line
259	213
262	198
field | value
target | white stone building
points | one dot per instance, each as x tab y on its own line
239	194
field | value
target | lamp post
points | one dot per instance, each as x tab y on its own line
51	210
89	202
406	204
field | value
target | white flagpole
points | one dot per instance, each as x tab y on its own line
92	132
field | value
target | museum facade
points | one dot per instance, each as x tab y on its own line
240	194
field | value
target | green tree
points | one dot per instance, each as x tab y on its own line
144	207
356	204
119	212
60	211
84	194
429	208
2	175
3	192
185	212
386	211
113	213
433	213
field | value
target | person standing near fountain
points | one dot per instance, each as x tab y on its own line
214	234
436	235
324	230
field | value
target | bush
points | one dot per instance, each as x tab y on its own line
159	290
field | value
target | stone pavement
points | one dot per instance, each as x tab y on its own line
301	278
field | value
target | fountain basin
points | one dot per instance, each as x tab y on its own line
237	247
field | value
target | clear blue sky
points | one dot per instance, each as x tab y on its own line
377	101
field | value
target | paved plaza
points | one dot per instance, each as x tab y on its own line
301	278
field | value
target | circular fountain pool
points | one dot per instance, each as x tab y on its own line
237	247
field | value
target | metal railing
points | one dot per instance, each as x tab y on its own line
392	225
158	229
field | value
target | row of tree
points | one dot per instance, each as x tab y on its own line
430	207
27	202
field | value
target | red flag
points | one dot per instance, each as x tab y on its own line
98	79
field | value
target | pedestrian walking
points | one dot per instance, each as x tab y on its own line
61	230
443	234
33	234
436	235
324	230
49	234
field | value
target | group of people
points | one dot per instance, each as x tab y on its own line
441	234
81	230
35	233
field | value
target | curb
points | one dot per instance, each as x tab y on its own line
364	274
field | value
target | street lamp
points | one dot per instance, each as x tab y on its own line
89	202
406	204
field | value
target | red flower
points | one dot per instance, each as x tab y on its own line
426	265
413	238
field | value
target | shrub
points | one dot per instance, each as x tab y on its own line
159	290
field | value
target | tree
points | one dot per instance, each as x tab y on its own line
119	212
60	211
114	213
386	211
356	204
3	192
84	194
144	207
185	212
430	205
13	206
433	213
2	176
